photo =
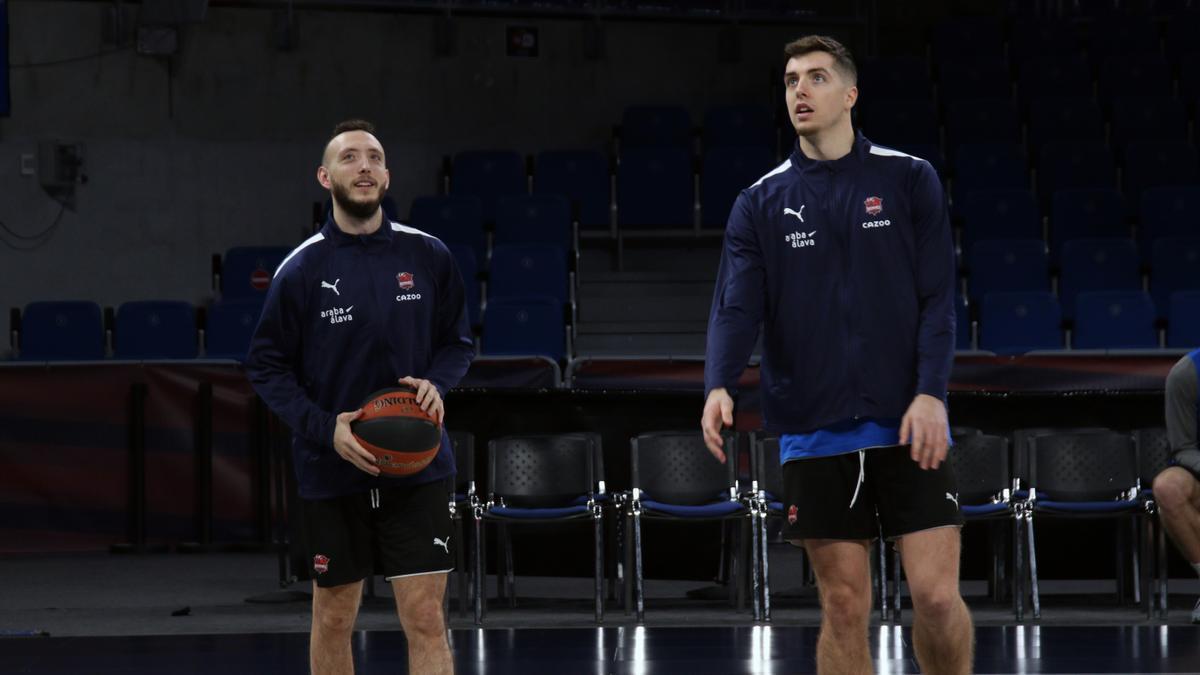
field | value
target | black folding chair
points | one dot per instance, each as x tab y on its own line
676	479
1080	475
540	478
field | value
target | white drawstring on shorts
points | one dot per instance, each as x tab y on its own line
862	475
374	498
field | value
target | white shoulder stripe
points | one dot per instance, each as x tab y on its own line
787	164
307	242
398	227
889	152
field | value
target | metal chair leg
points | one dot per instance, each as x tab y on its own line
598	527
639	597
1018	580
1033	576
510	581
1161	556
755	563
766	568
1136	556
894	556
881	572
478	555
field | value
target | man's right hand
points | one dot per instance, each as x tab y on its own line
346	445
718	412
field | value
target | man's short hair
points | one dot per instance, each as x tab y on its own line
842	60
344	126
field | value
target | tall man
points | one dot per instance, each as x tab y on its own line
361	305
843	255
1177	488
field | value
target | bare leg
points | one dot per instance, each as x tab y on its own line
843	571
333	613
419	604
943	636
1177	494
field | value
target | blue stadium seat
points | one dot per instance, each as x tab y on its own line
1182	29
536	219
1114	320
246	271
979	166
1080	213
895	78
61	330
1065	78
1064	119
930	152
583	177
1120	33
1015	323
1158	118
1157	164
524	326
1041	42
654	188
745	125
894	122
488	175
1010	213
968	37
468	266
1174	266
522	270
1007	265
725	173
1189	74
155	329
982	120
1168	212
1144	74
1109	264
454	220
1074	164
230	326
1183	325
963	80
656	126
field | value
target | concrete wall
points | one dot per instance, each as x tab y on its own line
218	146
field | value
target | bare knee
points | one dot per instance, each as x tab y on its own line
334	622
846	609
1173	489
936	602
423	618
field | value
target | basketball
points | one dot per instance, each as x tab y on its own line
403	438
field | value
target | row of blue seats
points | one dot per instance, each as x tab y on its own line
1019	322
1079	213
996	118
1085	265
165	329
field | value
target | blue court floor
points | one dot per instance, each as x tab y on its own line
726	650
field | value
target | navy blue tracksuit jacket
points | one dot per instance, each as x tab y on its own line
345	316
848	266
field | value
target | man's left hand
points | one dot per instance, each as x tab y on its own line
924	426
427	397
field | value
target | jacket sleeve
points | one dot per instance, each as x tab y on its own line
453	346
935	283
274	358
738	301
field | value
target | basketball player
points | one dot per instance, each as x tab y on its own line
1177	488
843	255
363	304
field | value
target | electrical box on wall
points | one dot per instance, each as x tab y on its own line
60	169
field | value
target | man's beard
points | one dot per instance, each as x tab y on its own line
357	209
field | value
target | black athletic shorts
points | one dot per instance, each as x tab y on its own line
396	532
894	494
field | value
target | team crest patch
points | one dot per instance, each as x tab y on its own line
321	563
405	279
874	205
792	514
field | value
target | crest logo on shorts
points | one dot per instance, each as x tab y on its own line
792	514
874	205
320	563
